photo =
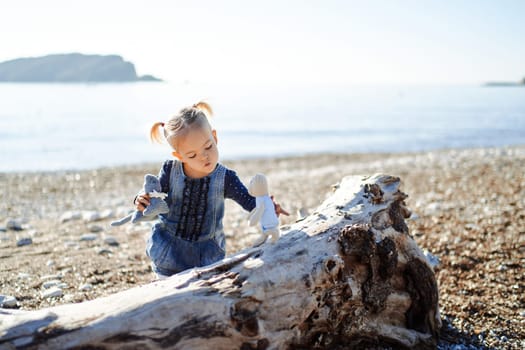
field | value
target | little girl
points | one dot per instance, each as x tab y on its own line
191	234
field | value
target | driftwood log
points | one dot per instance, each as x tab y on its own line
347	276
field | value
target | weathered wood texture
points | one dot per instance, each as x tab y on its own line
349	275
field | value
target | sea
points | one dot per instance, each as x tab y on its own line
48	127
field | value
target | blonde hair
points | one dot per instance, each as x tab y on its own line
196	115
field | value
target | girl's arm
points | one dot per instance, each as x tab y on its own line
235	189
164	176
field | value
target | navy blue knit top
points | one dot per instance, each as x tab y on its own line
196	188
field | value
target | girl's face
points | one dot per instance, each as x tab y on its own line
197	150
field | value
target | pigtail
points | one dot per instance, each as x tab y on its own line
155	134
204	107
198	114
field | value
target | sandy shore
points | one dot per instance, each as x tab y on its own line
470	206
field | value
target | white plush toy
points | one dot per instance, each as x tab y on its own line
264	211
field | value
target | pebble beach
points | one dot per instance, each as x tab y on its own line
468	210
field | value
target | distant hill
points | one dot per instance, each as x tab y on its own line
74	67
506	83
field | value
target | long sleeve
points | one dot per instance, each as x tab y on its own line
235	189
164	176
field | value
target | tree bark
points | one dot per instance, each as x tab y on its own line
348	275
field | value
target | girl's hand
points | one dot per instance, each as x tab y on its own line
141	201
278	209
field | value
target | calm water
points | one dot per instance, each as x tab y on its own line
64	126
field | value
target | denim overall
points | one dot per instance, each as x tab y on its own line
174	245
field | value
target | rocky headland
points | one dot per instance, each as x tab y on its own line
70	68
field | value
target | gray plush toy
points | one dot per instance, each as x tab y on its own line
156	206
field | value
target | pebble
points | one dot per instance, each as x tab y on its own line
69	298
88	237
95	228
51	277
51	283
459	347
12	224
433	208
112	241
432	259
50	263
24	241
23	276
8	301
70	215
53	292
90	216
107	214
414	217
35	233
86	287
70	244
67	269
471	226
103	251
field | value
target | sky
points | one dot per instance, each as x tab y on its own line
278	41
